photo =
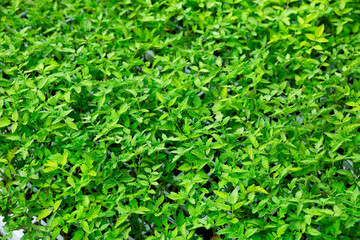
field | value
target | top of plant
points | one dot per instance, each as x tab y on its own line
161	119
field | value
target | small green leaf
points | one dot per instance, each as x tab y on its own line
322	40
121	219
351	222
223	206
281	230
337	211
41	95
310	36
253	140
49	169
176	196
64	159
234	197
78	235
4	122
55	160
265	163
141	210
123	108
56	205
224	92
184	167
72	125
318	47
254	188
250	232
342	4
339	115
67	97
352	104
15	116
71	181
172	101
319	31
223	195
219	62
85	226
69	50
163	116
44	213
312	231
160	97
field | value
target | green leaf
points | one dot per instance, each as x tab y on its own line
4	122
265	163
78	235
310	36
253	140
352	104
172	101
141	210
14	116
337	211
41	95
250	232
163	116
121	219
72	125
64	158
85	226
224	92
322	40
342	4
183	231
57	205
351	222
223	195
234	196
176	196
312	231
55	160
160	97
44	213
123	108
70	50
159	200
318	47
184	167
223	206
219	62
300	20
319	31
71	181
50	169
254	188
339	115
281	230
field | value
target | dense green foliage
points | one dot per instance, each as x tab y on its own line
159	119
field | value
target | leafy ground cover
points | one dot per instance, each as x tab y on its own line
180	119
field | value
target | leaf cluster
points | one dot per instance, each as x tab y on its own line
180	119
